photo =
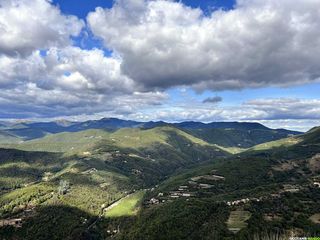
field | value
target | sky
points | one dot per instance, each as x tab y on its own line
187	60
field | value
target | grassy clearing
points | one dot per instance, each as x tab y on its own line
231	150
315	218
191	138
127	206
285	142
237	220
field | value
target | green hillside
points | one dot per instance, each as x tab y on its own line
227	134
88	139
144	183
98	167
264	157
312	136
242	138
275	185
63	142
149	155
285	142
127	206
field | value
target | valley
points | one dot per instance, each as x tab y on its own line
116	179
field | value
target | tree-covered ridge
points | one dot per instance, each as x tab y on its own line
158	183
226	134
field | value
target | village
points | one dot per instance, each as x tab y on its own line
287	188
18	220
195	184
15	222
191	189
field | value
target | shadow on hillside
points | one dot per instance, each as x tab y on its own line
58	222
10	154
20	171
54	222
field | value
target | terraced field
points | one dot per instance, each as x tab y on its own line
237	220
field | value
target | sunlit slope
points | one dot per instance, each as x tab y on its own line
287	167
21	168
103	167
32	178
123	138
97	160
63	142
155	153
262	168
226	134
309	138
146	156
100	167
285	142
126	206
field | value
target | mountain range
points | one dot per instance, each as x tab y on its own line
119	179
228	134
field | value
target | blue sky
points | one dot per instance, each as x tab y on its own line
81	8
204	60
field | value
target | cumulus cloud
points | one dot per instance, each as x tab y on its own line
259	43
215	99
69	68
25	27
43	75
286	108
156	45
197	113
87	70
68	81
30	101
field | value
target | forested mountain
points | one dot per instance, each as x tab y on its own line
227	134
164	181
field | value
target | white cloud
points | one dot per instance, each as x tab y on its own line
286	108
27	26
69	68
30	101
291	113
157	45
298	125
43	75
88	70
259	43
